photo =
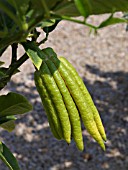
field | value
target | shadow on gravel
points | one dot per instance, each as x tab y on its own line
36	148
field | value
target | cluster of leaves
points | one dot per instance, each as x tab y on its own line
18	18
18	22
10	105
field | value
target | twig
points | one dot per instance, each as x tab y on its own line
14	53
12	68
44	40
16	65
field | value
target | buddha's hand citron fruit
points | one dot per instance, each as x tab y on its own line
65	99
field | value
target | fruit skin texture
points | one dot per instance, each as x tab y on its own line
85	111
70	105
53	119
57	100
86	94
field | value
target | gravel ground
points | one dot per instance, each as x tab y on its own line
102	62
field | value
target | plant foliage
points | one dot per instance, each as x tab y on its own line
19	20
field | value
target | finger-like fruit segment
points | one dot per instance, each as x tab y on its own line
57	100
85	111
86	94
53	119
70	105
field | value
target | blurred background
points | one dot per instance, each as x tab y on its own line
102	62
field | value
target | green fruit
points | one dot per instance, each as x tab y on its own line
53	119
57	100
78	97
86	94
70	105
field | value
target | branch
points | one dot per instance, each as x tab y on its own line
10	71
44	40
74	20
14	52
14	66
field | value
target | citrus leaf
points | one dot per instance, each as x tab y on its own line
34	53
112	20
84	7
52	3
46	23
8	158
6	119
8	123
2	73
108	6
67	8
93	7
21	5
13	104
9	126
1	147
1	63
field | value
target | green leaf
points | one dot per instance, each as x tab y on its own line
96	7
37	8
1	63
9	126
2	74
1	147
8	123
6	119
111	20
90	7
20	5
52	3
8	14
34	53
46	23
67	8
84	7
8	158
13	104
